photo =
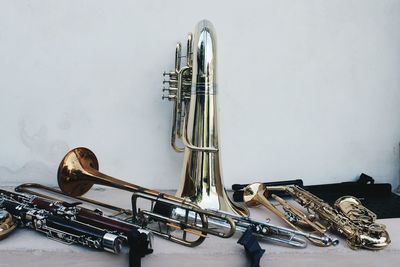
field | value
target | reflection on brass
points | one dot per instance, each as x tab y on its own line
343	220
78	172
192	88
254	195
7	224
355	211
262	229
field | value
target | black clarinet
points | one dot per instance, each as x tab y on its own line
71	224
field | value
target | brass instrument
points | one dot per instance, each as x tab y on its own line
193	89
355	211
79	168
359	235
267	231
254	195
7	224
263	230
78	172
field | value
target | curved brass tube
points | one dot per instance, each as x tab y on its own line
254	195
359	233
78	172
7	224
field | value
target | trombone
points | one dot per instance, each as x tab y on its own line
78	172
170	217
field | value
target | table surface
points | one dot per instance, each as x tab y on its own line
26	247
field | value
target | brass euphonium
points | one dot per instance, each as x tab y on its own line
193	90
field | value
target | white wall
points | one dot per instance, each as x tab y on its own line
307	89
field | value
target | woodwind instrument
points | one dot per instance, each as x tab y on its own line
71	223
359	233
58	222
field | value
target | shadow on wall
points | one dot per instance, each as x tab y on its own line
46	154
32	171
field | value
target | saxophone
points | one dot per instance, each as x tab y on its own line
359	233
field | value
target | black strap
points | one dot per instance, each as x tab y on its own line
365	179
253	250
139	247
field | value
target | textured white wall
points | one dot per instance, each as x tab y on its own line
307	89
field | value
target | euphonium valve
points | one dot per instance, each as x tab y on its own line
193	90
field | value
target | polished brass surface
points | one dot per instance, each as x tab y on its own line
368	236
352	208
193	89
255	194
355	211
78	172
7	224
263	230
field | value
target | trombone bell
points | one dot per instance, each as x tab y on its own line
76	161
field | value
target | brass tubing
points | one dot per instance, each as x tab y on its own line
78	172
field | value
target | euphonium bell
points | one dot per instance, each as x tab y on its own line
193	89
